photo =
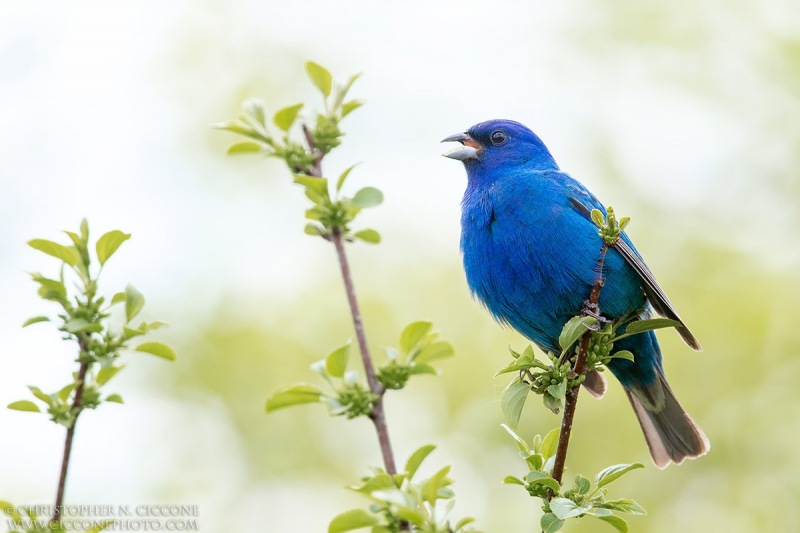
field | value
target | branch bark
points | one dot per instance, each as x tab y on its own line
578	369
76	406
378	415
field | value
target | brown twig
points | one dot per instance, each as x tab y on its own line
578	369
76	406
378	416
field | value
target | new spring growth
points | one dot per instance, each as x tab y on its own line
85	318
609	228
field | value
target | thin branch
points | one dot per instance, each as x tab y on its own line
378	415
77	408
578	369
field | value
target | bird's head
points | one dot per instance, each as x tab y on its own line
497	145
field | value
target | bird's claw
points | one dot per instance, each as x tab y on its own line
590	309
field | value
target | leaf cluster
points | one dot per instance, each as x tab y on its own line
401	504
583	498
553	380
323	135
84	319
350	397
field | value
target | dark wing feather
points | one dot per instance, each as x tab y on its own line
652	290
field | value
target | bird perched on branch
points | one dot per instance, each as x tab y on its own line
530	252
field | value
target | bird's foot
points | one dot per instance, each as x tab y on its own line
590	309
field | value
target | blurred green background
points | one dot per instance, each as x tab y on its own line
684	117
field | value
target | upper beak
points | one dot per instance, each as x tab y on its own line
469	150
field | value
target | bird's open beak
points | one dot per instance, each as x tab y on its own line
469	150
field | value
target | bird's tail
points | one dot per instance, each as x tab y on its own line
670	432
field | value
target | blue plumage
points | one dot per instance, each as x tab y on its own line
530	252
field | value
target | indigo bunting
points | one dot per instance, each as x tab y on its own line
530	252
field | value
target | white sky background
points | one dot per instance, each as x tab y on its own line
104	113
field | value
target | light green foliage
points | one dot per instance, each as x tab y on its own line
399	503
581	499
550	380
303	150
350	397
336	213
418	348
609	228
324	134
84	317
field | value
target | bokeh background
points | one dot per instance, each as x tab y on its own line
683	116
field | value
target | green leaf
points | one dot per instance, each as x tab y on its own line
623	222
512	400
343	177
607	475
24	405
367	197
422	368
41	395
550	443
320	77
245	148
413	334
623	506
351	520
511	480
349	107
430	488
573	330
105	374
67	254
368	235
85	230
109	243
315	230
77	325
550	523
623	354
285	117
521	444
293	395
316	185
116	398
582	484
134	301
255	108
467	520
554	404
64	393
616	522
541	478
597	218
50	289
118	297
158	349
434	351
558	391
336	362
639	326
416	459
565	508
34	320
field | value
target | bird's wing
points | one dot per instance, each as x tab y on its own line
579	199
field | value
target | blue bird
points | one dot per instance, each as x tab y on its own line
530	250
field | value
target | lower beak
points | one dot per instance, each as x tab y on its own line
469	150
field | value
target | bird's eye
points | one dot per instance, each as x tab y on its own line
498	137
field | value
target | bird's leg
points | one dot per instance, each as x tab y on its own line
590	308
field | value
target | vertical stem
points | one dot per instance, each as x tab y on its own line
62	479
377	416
579	369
